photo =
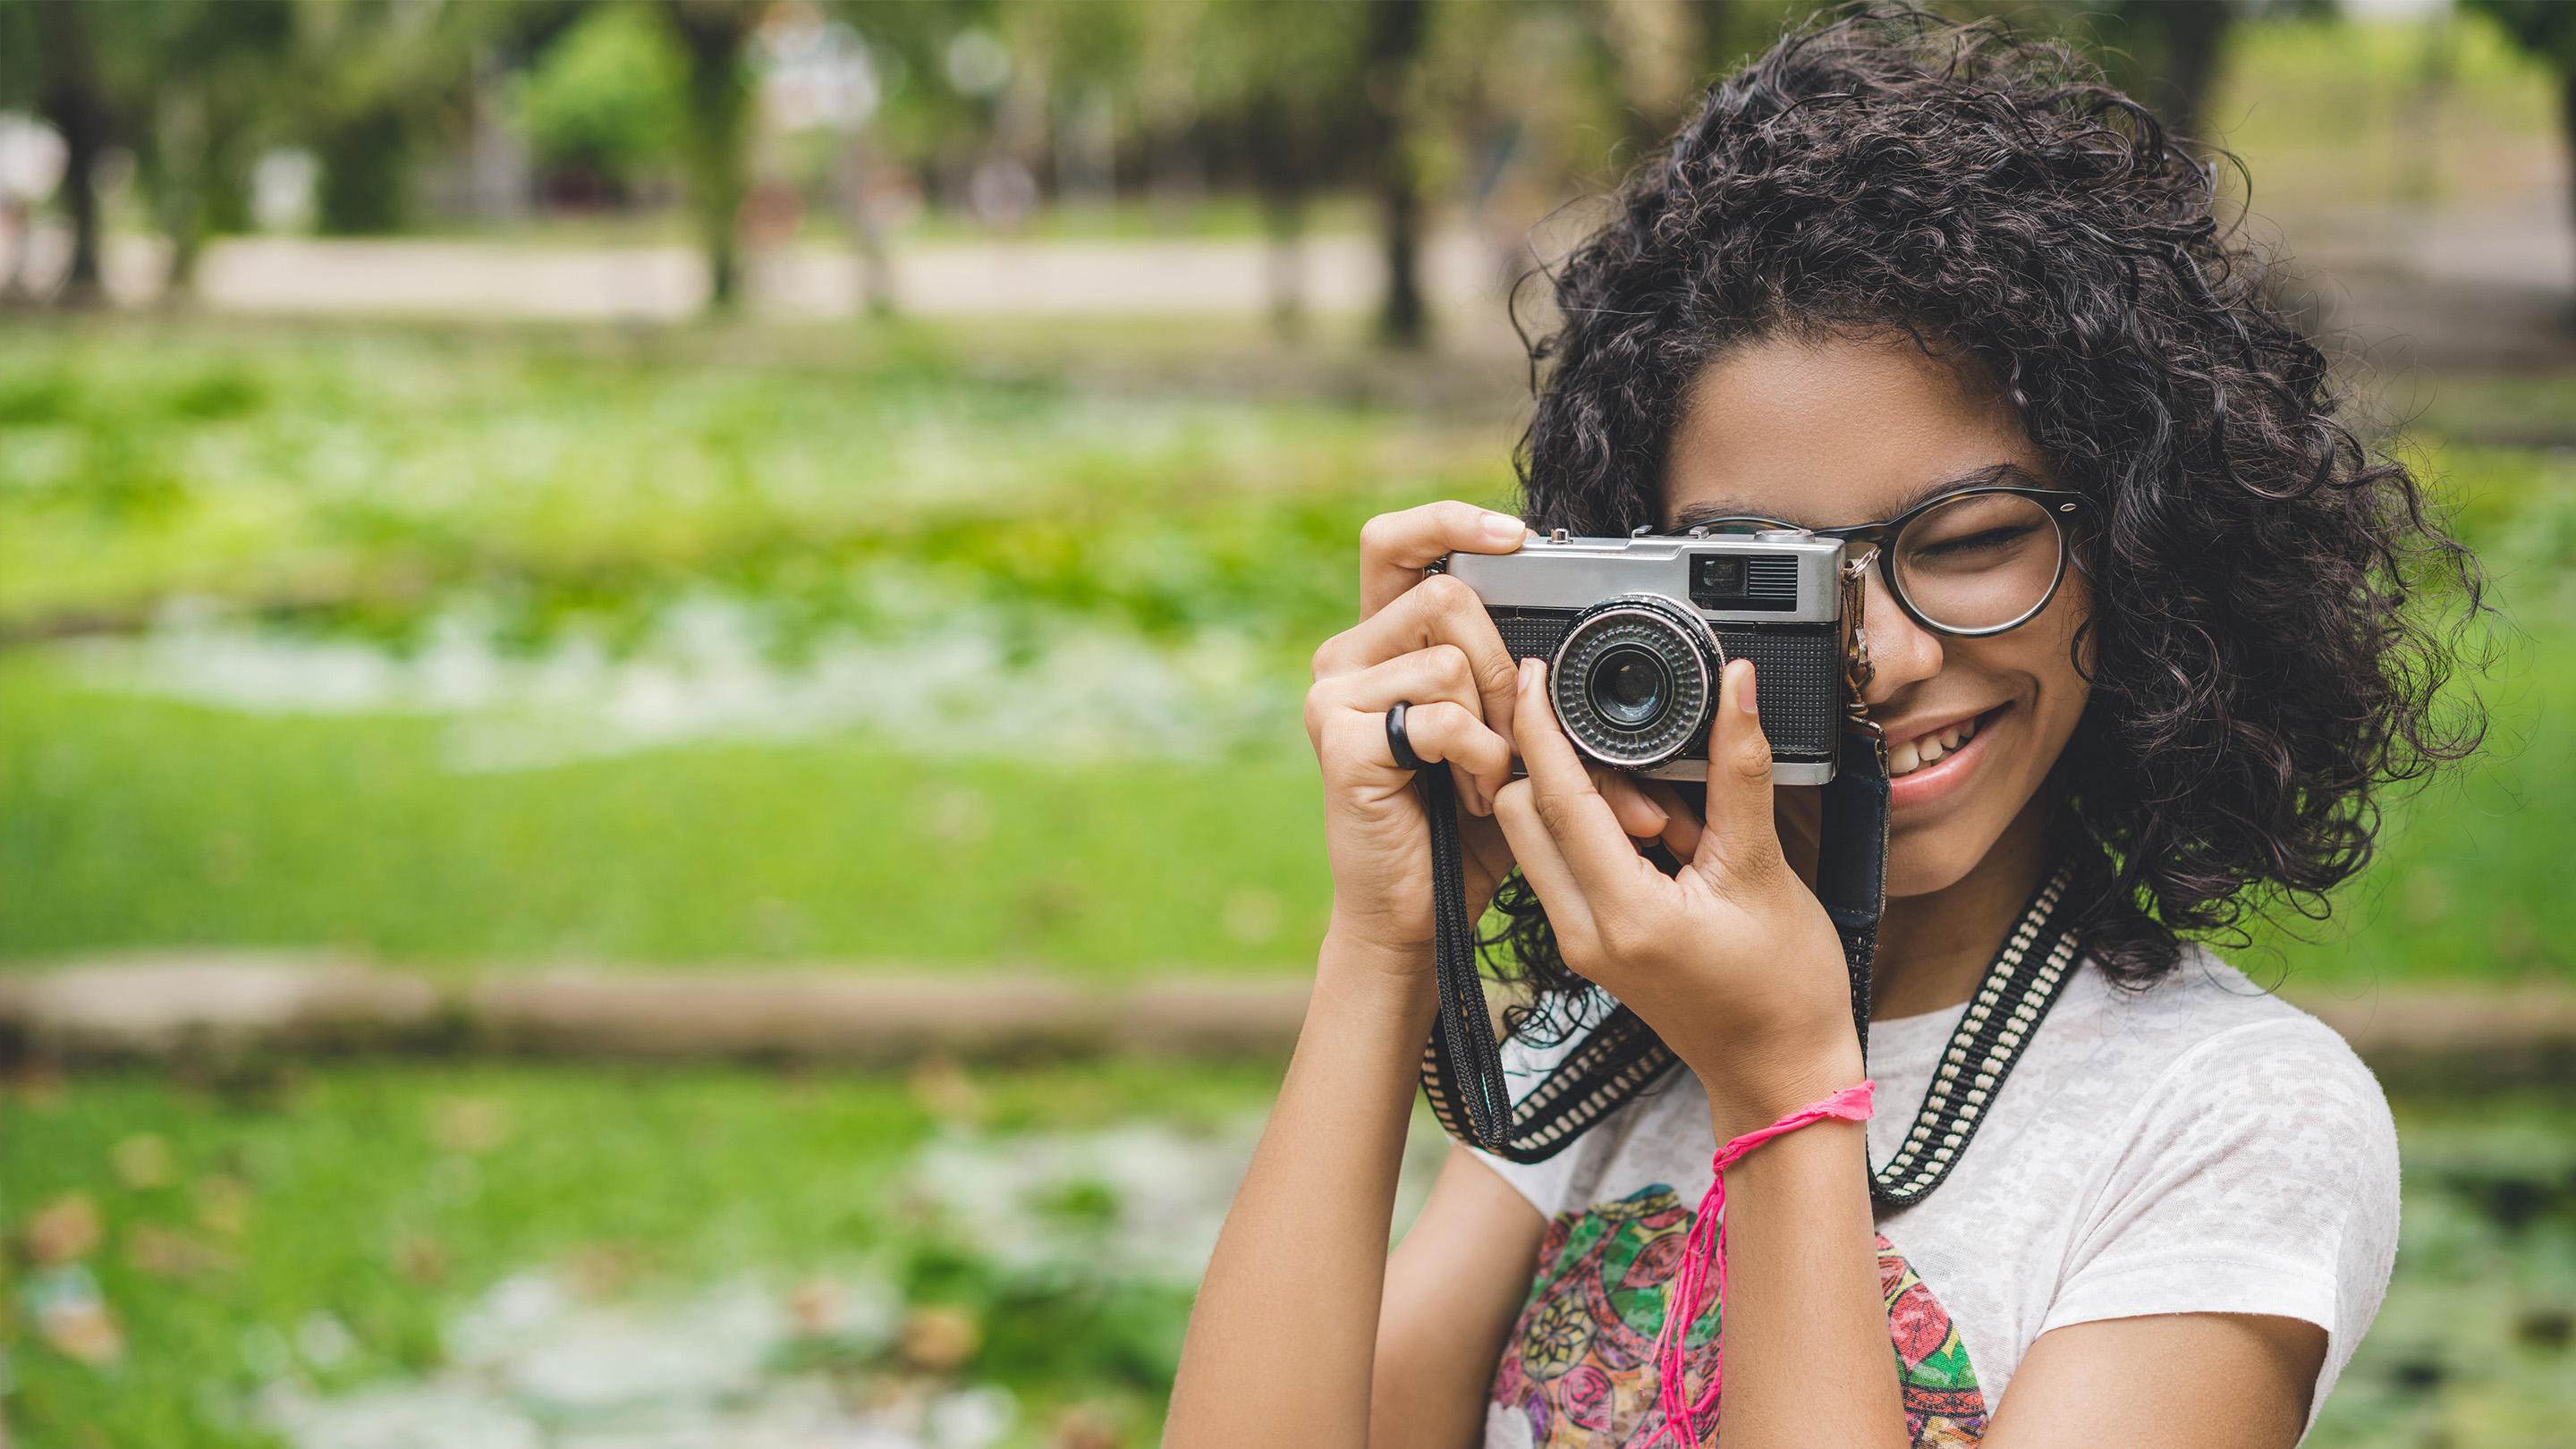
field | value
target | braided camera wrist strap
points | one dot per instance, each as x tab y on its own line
1706	1244
1465	1033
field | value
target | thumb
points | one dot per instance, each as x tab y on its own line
1741	842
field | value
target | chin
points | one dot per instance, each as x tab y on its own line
1921	862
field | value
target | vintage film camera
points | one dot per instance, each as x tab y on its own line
1635	632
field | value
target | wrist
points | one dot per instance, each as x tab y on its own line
1759	1089
1359	973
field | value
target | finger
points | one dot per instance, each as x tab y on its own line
1581	822
1438	611
1438	672
1396	547
1479	759
1433	682
1639	813
1542	864
1740	839
1682	829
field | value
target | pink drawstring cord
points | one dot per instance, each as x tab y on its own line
1690	1275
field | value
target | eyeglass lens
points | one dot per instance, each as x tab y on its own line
1978	562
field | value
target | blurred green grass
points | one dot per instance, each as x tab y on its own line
390	1197
131	822
359	478
365	484
357	483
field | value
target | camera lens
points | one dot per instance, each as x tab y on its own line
1633	680
1630	687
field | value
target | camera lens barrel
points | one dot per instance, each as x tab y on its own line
1635	679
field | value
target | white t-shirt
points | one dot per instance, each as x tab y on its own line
2197	1147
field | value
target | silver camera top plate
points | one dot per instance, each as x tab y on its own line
1791	579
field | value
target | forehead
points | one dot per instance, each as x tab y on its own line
1834	431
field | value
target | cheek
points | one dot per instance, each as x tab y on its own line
2065	671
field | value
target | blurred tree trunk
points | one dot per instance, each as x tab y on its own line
1284	180
2188	35
2567	136
856	180
1395	35
1655	45
714	34
75	101
366	171
174	173
2547	29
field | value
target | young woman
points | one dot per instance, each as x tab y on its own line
1893	272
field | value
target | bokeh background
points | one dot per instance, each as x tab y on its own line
650	790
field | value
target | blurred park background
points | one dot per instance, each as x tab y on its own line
650	789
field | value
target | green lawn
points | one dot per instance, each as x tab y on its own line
558	493
1133	578
327	1231
267	1243
139	822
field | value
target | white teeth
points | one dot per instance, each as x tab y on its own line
1925	749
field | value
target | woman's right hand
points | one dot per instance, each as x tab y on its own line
1426	642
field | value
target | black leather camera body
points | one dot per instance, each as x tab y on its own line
1636	630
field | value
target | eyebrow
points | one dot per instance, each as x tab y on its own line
2001	474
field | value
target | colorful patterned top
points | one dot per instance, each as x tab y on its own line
1580	1367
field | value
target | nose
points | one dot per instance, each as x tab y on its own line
1901	652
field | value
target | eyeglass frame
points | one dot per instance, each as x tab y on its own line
2058	503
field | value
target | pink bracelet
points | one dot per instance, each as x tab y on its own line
1690	1276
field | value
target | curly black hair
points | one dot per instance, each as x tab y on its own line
2261	657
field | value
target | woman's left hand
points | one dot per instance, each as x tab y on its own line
1733	961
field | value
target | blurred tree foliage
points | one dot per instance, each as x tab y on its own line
607	100
1510	107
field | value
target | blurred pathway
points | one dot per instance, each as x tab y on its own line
1341	275
193	1002
2479	289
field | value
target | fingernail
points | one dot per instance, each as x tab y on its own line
1503	528
1529	673
1744	700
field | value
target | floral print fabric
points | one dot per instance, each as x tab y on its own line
1579	1366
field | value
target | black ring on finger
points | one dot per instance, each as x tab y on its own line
1398	743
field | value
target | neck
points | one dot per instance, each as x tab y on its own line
1934	949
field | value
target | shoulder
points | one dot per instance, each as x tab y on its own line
2208	1024
2205	1050
2227	1114
2207	1034
2253	1166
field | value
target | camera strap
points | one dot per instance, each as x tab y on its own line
1620	1056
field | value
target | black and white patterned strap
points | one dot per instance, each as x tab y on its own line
1621	1057
2002	1018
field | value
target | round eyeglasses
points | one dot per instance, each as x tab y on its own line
1968	564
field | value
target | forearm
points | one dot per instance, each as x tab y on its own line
1807	1354
1281	1340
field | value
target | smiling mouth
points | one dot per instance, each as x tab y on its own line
1932	747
